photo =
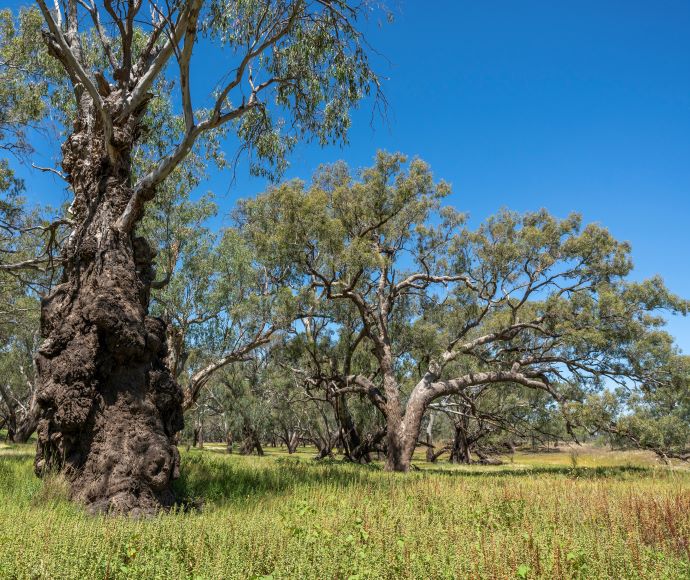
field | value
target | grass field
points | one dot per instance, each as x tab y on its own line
584	514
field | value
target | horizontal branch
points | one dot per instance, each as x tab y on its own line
201	377
457	385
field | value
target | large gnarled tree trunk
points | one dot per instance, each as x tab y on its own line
109	406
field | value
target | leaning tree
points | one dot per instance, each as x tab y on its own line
528	300
286	69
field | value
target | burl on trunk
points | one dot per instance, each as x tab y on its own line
110	408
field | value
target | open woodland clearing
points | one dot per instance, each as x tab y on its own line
614	515
239	339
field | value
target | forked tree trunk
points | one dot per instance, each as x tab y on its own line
324	448
371	443
403	430
109	405
292	442
21	427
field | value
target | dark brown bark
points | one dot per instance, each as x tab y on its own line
371	443
198	436
460	451
350	439
109	407
251	442
229	440
324	448
463	443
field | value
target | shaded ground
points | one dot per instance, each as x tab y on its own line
613	515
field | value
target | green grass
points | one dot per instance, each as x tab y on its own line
611	516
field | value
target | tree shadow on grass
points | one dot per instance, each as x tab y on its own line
18	455
613	472
215	480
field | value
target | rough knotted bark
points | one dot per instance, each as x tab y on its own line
398	456
251	441
109	407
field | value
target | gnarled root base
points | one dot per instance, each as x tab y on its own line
109	406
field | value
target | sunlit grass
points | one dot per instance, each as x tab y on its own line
610	516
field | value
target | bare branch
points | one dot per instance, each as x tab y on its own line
50	170
157	64
70	61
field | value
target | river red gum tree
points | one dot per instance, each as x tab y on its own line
110	406
525	300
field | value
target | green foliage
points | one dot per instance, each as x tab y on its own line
658	416
524	299
319	67
23	89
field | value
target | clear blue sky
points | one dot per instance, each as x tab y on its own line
573	106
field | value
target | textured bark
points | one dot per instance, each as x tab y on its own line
109	407
460	451
403	434
396	437
229	440
251	442
350	439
